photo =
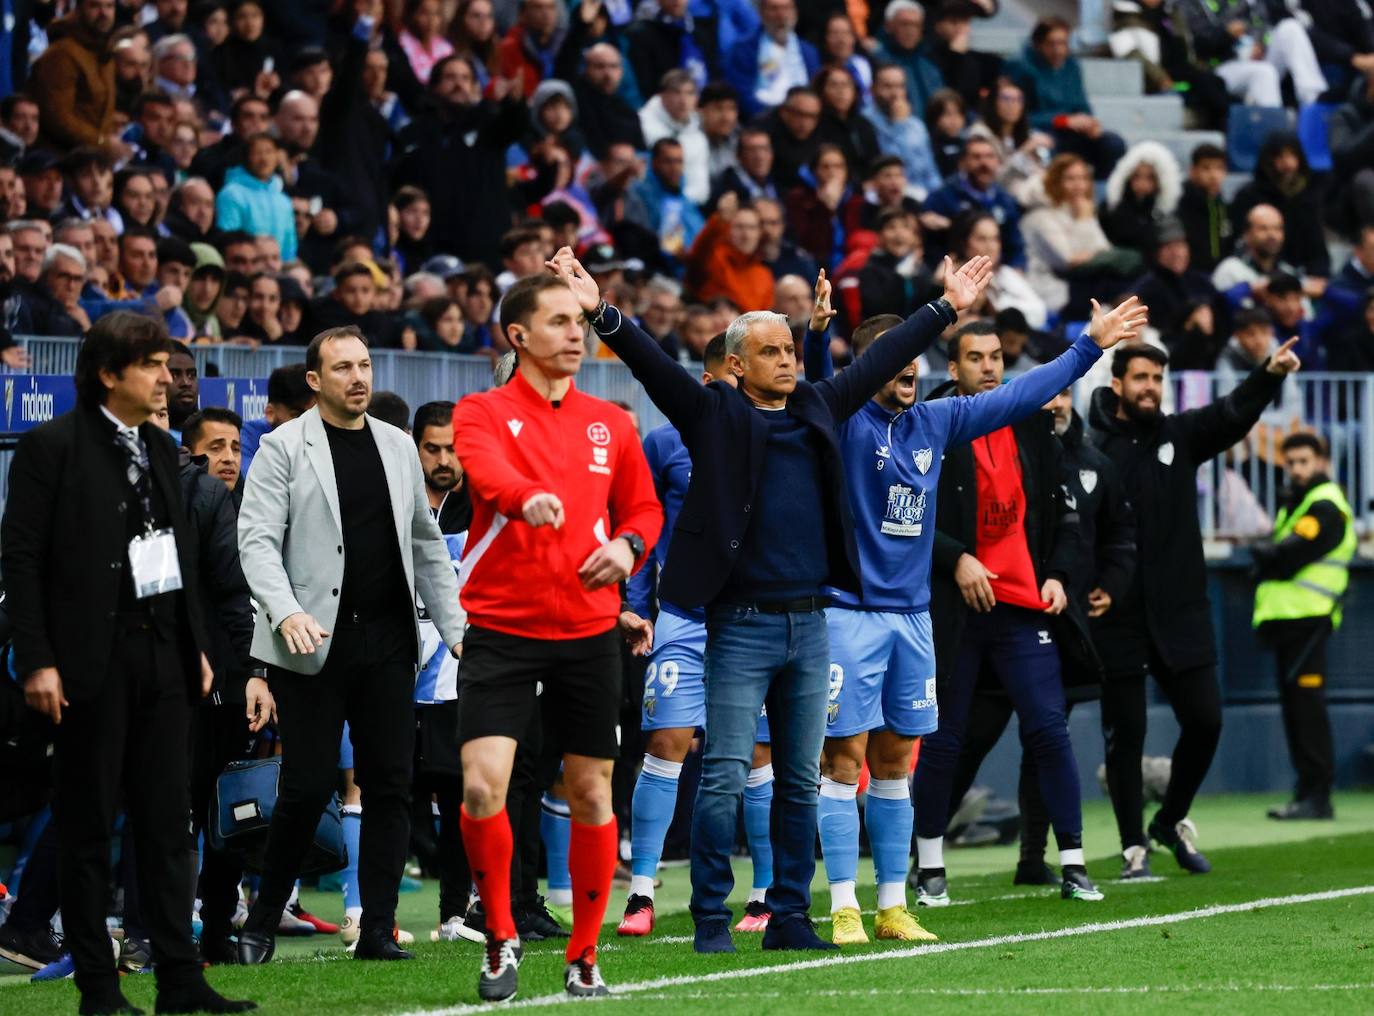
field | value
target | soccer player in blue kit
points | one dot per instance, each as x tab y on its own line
882	674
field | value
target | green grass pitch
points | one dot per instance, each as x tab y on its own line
1193	944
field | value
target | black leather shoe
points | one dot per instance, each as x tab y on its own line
1306	808
380	946
198	997
219	950
795	932
111	1003
256	947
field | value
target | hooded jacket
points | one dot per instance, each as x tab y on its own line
74	83
1167	608
1129	221
1300	201
716	267
258	207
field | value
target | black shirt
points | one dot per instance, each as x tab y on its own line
374	583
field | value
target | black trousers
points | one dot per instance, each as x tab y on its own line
35	906
219	736
987	721
1300	649
368	680
1102	153
129	740
1195	698
439	783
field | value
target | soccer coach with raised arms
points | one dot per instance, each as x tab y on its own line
336	537
766	523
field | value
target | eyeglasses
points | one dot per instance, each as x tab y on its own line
71	277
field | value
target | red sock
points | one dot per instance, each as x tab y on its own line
489	848
591	862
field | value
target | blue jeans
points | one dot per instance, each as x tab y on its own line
782	660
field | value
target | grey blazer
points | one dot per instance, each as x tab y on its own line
291	537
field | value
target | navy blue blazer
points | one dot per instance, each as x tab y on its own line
727	442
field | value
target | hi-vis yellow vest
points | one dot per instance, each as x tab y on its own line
1316	590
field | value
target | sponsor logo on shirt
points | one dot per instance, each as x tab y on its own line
515	427
906	508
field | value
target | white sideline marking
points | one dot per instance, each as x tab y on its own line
932	949
858	993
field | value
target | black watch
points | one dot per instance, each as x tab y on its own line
636	543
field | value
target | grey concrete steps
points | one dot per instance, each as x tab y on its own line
1102	78
1152	112
1180	143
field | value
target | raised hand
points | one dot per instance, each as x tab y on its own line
1284	361
1122	324
963	286
578	279
822	312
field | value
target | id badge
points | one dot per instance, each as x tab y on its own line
153	564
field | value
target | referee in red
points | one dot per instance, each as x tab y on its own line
563	510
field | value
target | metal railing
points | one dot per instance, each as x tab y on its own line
1237	492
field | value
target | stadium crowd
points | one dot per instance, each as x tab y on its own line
839	190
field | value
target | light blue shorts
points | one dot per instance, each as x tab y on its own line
882	673
674	682
346	749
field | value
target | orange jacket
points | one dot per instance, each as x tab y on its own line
715	267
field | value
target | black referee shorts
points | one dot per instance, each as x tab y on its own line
580	694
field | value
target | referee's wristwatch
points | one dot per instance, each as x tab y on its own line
636	543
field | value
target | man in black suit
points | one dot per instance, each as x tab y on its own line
765	525
101	575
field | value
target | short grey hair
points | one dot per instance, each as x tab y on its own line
741	327
898	6
24	226
665	285
63	250
168	43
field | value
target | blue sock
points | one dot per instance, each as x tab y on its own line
352	834
555	829
837	815
758	803
889	820
651	813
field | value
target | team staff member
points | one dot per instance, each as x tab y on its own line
1002	554
1164	623
116	566
1305	569
563	509
1099	575
765	525
336	538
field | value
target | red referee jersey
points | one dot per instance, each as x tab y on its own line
513	444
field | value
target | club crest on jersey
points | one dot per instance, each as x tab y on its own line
1166	453
906	508
924	457
1088	479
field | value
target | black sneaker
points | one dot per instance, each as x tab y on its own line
1034	872
1181	840
135	954
932	888
500	977
476	918
31	949
582	978
535	923
1307	809
1135	863
796	932
1077	885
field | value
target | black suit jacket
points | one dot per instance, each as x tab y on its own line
64	548
727	440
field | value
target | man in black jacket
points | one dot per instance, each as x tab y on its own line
1352	152
1005	546
764	455
1164	623
605	117
118	565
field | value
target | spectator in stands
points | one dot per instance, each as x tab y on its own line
1204	212
718	114
353	302
304	175
768	63
203	292
1053	83
528	50
672	113
1147	32
13	203
263	322
724	259
89	187
241	252
1065	236
964	69
976	186
1022	151
249	116
661	311
793	129
841	122
233	306
150	134
894	280
522	254
1253	52
698	328
1142	191
435	153
132	67
605	117
1356	276
1252	344
752	175
1352	152
248	58
553	114
839	45
1353	349
899	131
671	39
947	122
479	305
473	34
1245	274
386	104
31	243
1291	313
19	119
175	263
41	173
781	255
191	215
422	38
73	80
175	66
823	210
1185	308
54	307
414	245
252	198
975	233
75	233
672	216
184	146
438	325
1284	180
899	43
886	187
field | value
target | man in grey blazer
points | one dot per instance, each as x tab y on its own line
336	539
